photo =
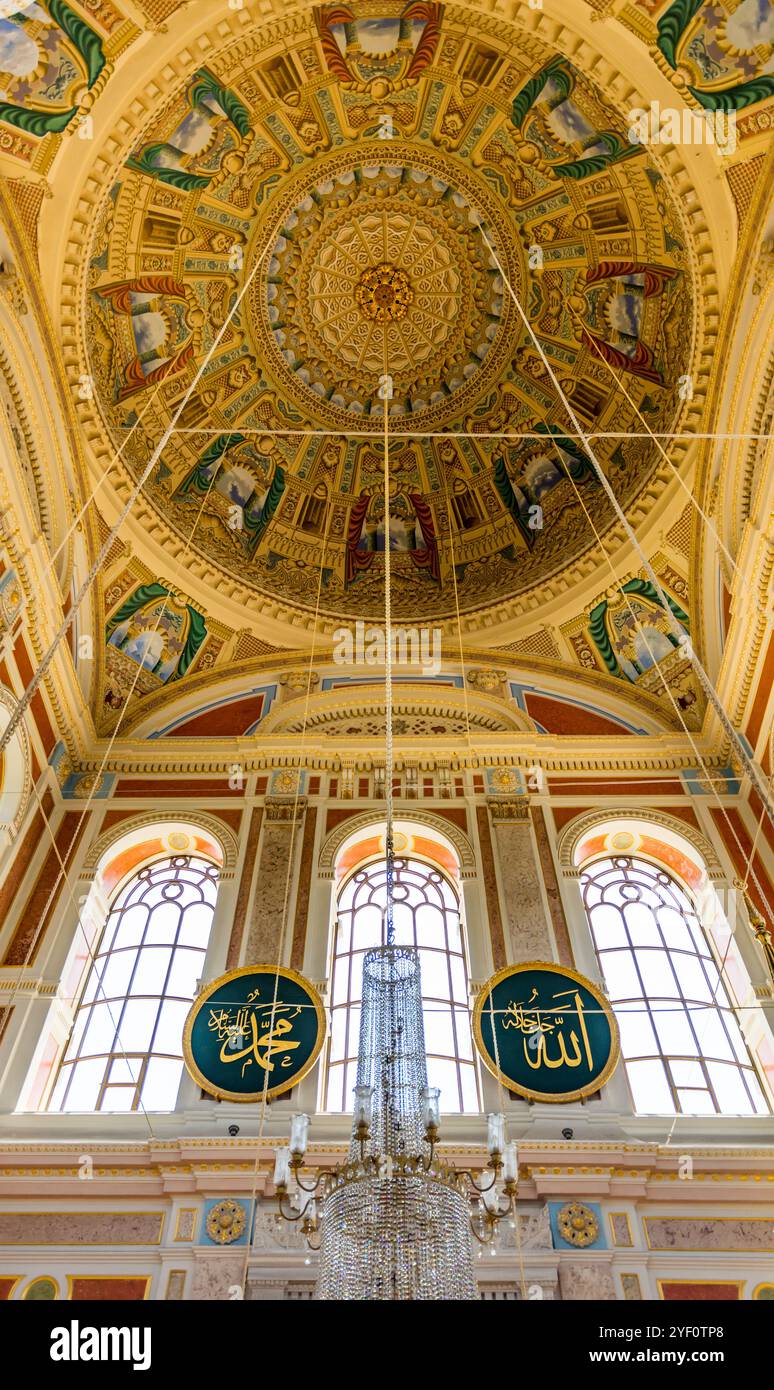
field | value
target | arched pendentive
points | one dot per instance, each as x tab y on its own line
349	829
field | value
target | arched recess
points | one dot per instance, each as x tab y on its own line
357	712
15	774
357	826
668	831
428	918
679	959
136	873
129	835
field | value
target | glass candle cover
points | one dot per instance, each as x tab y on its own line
510	1163
364	1096
431	1107
281	1167
495	1134
299	1128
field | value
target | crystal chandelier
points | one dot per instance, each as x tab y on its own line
395	1222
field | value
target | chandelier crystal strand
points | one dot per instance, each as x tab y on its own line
388	771
395	1220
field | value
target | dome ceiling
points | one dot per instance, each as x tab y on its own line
333	183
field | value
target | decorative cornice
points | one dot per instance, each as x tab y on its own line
629	754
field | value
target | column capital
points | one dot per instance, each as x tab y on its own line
284	808
508	808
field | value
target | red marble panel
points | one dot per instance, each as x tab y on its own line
762	695
490	888
616	786
225	721
37	703
194	788
39	907
23	858
102	1286
739	845
560	718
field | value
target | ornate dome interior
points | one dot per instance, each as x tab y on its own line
350	255
250	229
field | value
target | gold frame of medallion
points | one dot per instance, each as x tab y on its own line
202	999
508	1082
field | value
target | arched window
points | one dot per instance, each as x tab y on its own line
682	1046
427	915
125	1049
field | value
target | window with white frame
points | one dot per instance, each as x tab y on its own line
682	1046
426	915
125	1050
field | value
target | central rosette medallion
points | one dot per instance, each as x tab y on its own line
381	268
384	293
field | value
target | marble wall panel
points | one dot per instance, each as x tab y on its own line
272	888
579	1281
215	1276
81	1227
527	935
709	1233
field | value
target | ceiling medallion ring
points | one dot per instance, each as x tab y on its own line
440	249
443	198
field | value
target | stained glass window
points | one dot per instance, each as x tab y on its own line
125	1049
427	915
682	1046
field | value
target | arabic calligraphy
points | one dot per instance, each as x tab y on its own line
256	1033
543	1031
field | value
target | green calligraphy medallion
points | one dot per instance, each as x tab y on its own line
546	1032
238	1032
